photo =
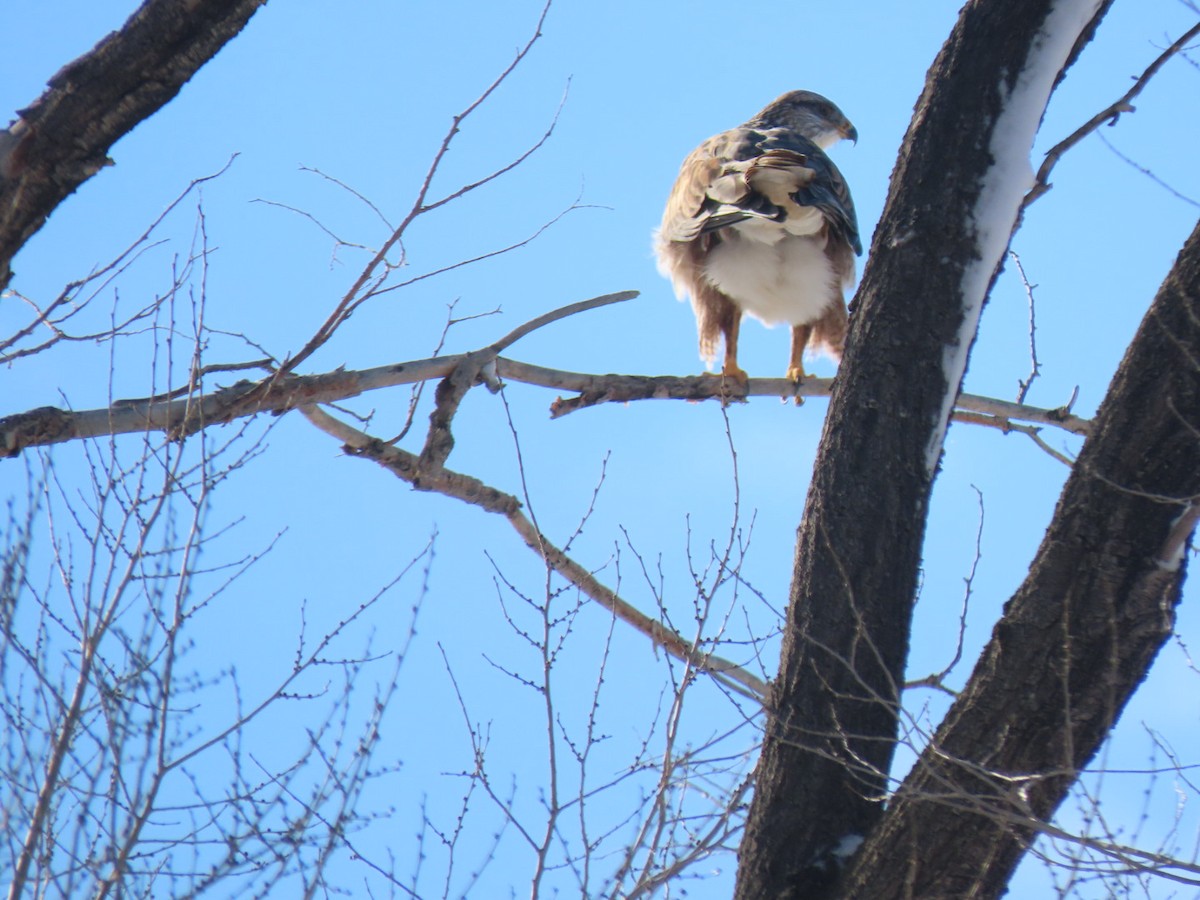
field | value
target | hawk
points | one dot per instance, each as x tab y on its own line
760	221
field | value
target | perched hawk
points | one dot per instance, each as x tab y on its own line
760	221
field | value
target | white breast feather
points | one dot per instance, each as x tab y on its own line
774	275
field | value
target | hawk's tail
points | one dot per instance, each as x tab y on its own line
829	331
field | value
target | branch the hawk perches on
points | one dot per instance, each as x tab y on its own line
760	221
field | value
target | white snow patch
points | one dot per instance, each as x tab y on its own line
1174	557
848	846
1005	184
1178	539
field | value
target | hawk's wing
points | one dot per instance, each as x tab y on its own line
748	173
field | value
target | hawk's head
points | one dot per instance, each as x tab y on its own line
812	115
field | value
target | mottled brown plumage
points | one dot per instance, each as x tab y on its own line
760	221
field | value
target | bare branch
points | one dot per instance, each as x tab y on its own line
370	281
1109	114
1035	366
179	416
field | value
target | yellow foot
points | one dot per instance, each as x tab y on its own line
736	374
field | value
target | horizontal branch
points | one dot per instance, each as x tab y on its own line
179	417
595	389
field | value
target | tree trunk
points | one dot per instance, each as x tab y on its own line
833	708
63	138
1075	640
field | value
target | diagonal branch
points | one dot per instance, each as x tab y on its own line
408	467
1109	114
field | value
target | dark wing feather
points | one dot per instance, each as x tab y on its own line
826	190
713	191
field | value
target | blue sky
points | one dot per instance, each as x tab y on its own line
364	92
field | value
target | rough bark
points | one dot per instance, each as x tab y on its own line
1075	640
830	736
64	137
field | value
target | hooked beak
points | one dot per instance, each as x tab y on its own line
849	132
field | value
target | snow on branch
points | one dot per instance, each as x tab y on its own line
1006	183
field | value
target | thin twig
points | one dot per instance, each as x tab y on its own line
68	304
353	192
337	240
1145	171
499	251
369	281
1035	367
938	679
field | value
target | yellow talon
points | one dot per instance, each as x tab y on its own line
736	374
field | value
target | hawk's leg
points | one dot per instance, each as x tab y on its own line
800	336
731	324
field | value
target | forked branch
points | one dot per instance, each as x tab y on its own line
371	281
